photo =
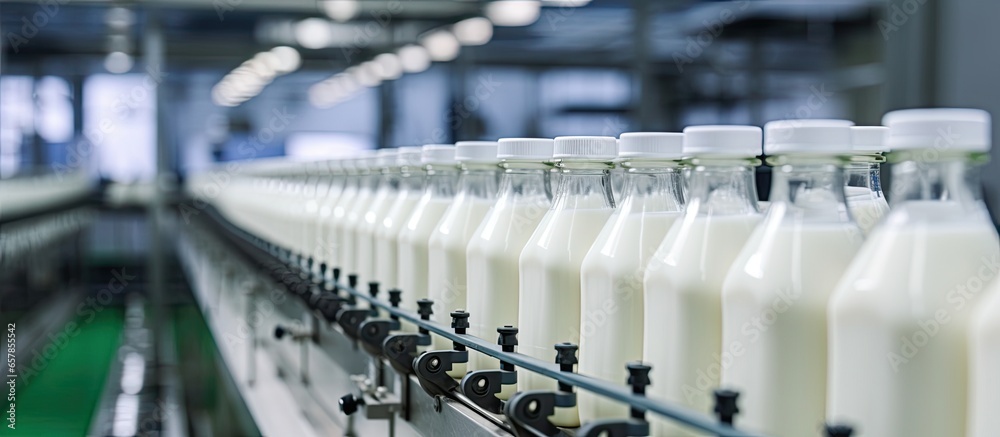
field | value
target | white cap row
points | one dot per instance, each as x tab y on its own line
946	129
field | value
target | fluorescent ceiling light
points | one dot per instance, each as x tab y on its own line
365	75
474	31
118	62
288	59
513	12
269	60
391	68
441	45
313	33
341	10
414	58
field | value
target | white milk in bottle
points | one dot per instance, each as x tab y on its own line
330	234
775	297
411	186
335	183
984	359
414	238
477	191
368	172
321	189
381	202
549	310
492	255
611	300
683	284
862	176
899	316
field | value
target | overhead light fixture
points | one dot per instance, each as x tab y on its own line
119	18
513	12
414	58
341	10
474	31
365	75
288	59
118	62
347	83
313	33
269	60
390	65
441	45
260	66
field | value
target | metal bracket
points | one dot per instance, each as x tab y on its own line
482	386
373	333
401	349
351	319
377	402
529	412
432	370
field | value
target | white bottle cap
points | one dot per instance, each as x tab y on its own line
942	129
722	140
438	154
808	137
386	157
869	139
476	151
408	156
585	148
528	149
651	145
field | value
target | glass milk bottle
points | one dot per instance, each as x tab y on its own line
335	184
611	299
381	202
683	284
549	310
775	297
861	176
319	182
408	192
414	238
492	254
477	191
370	180
984	354
899	316
330	234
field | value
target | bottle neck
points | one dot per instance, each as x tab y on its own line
652	186
522	180
479	180
722	187
389	178
808	188
584	185
369	180
441	180
953	178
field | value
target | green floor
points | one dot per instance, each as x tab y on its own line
61	399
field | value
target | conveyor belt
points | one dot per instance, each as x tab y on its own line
253	249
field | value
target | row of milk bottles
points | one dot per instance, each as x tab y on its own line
811	310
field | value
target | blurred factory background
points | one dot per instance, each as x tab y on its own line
137	94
